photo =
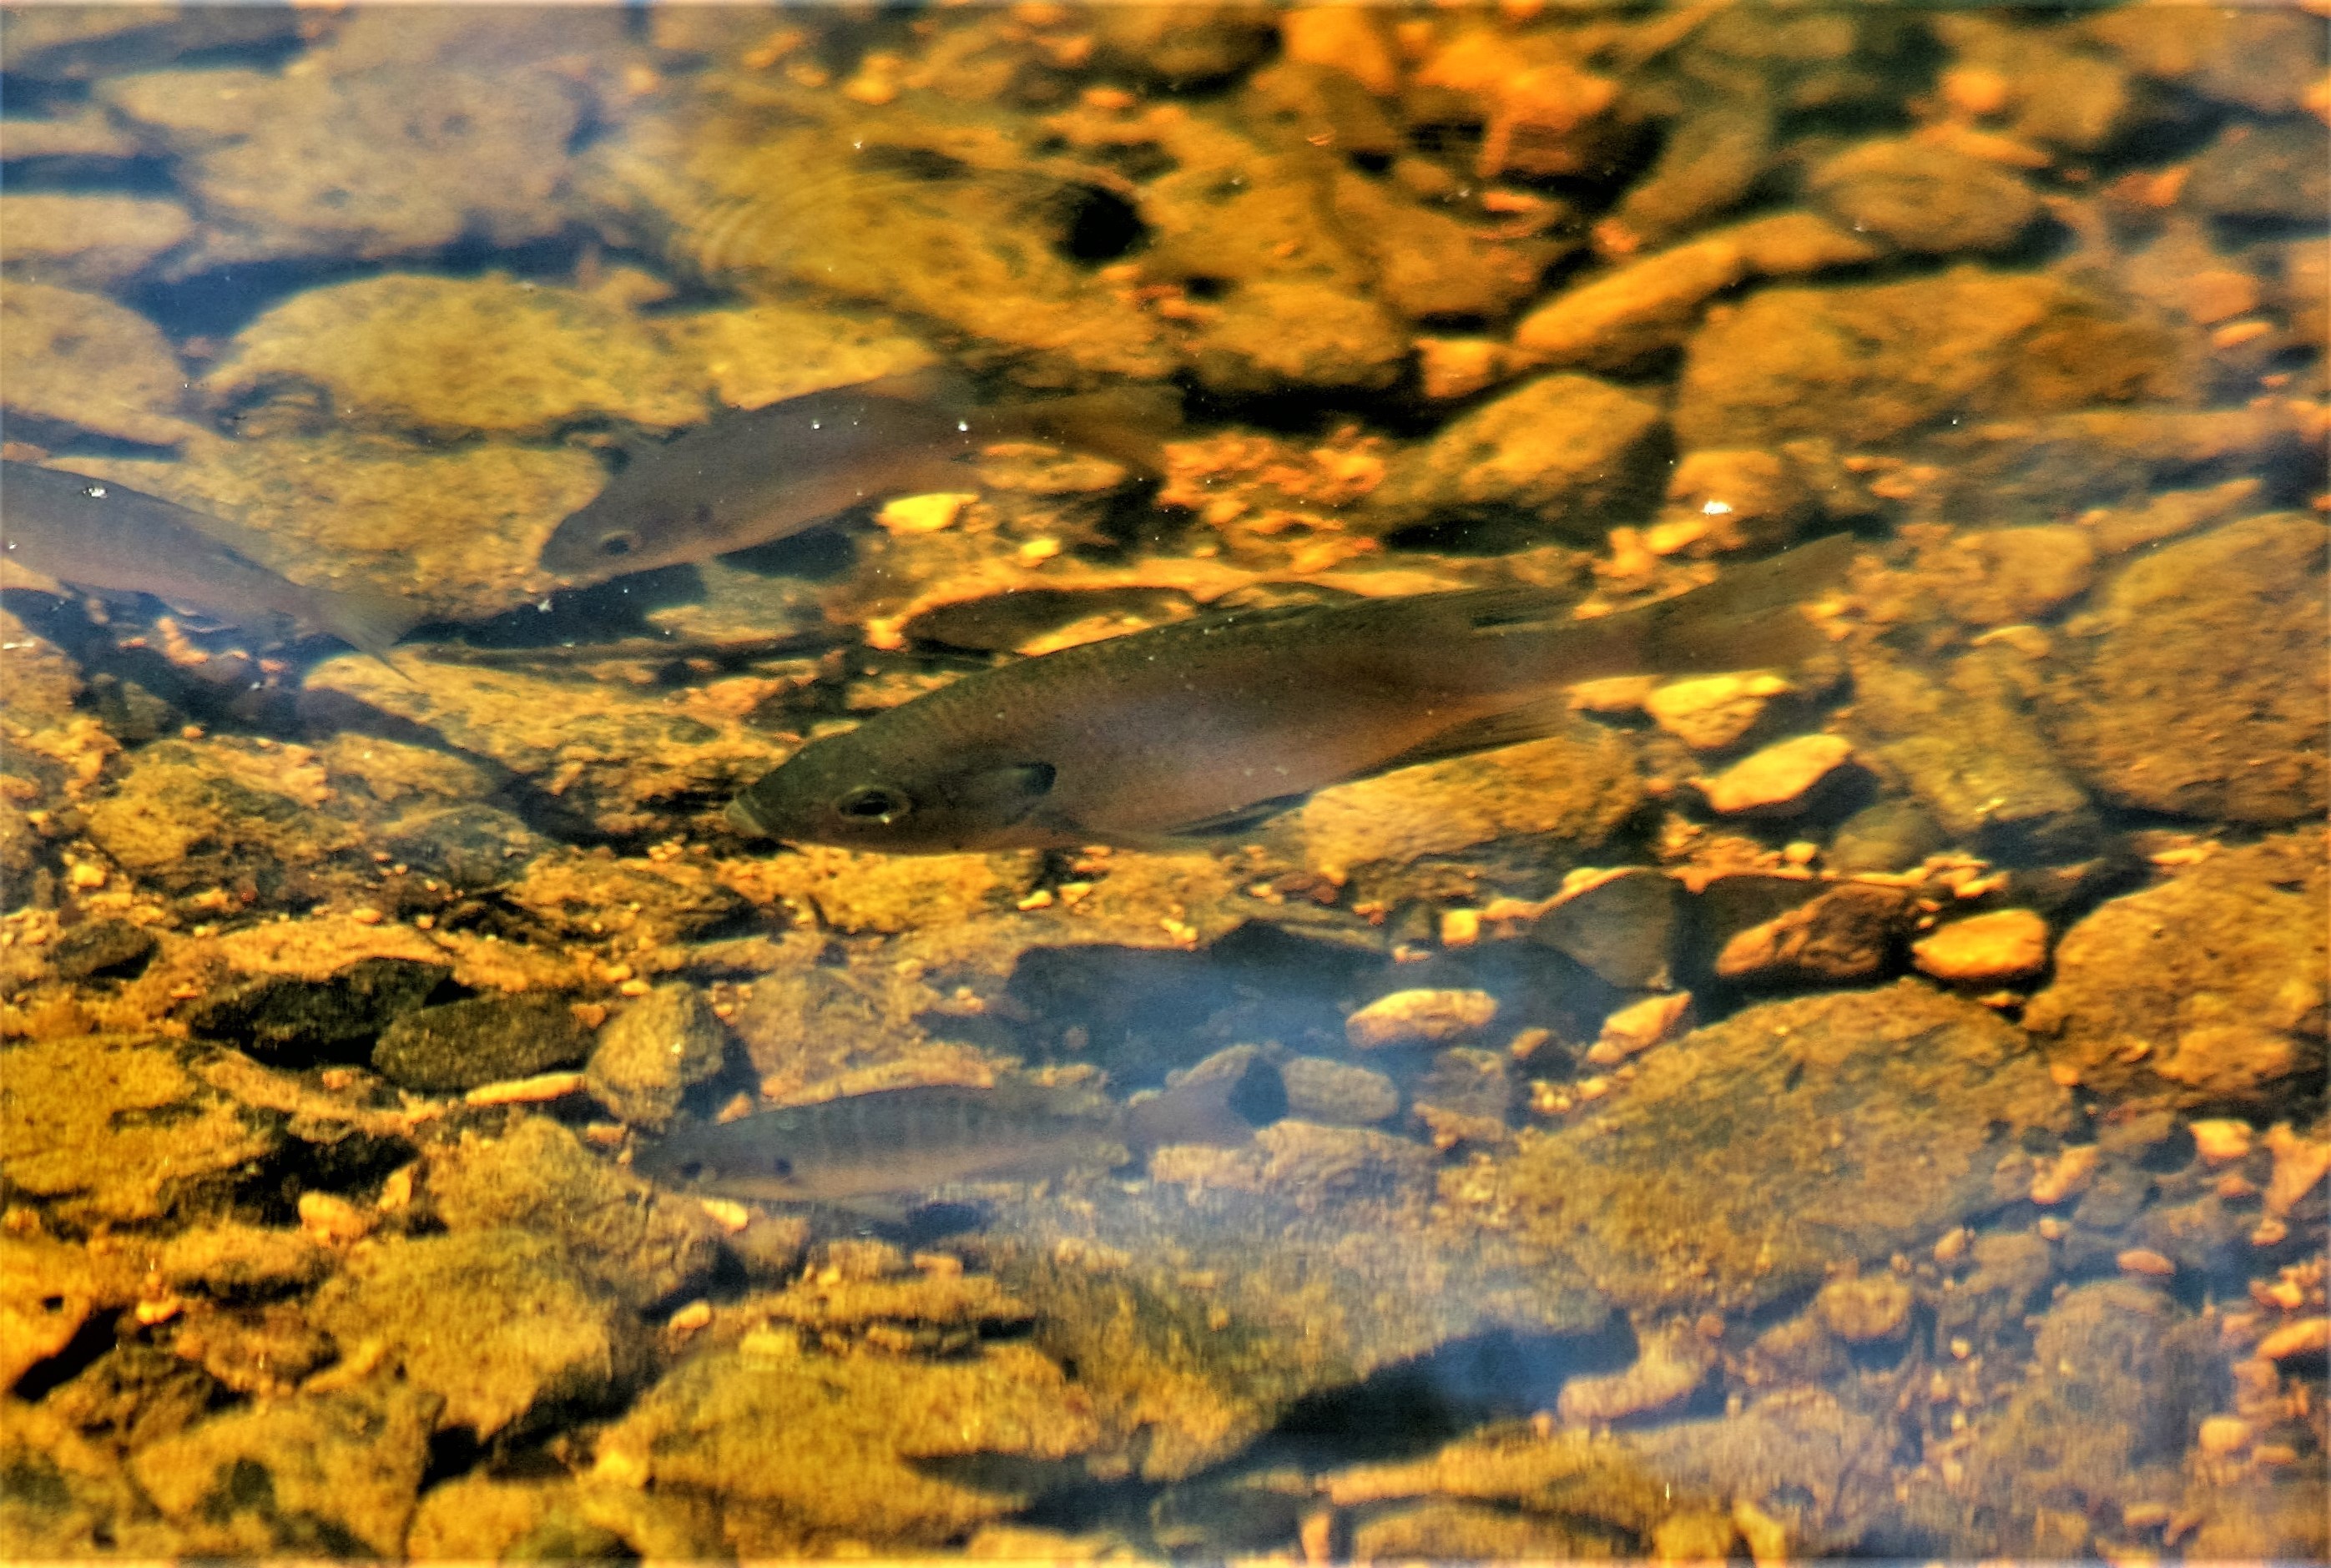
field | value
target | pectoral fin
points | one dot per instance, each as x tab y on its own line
1004	794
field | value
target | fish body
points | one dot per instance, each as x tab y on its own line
1163	731
913	1140
751	476
104	537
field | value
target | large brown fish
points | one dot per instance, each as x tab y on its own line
913	1140
751	476
1173	729
101	536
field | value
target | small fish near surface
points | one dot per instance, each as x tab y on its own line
1183	727
915	1140
751	476
104	537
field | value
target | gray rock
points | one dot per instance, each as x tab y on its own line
101	948
457	1047
1559	455
1622	931
1890	835
2273	171
1926	198
623	1233
286	1019
1321	1090
652	1053
469	846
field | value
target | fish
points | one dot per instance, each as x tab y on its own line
1154	738
912	1140
105	536
748	477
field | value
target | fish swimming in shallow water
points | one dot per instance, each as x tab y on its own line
101	536
1185	726
913	1140
751	476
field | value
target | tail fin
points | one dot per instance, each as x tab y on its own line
369	619
1748	619
1128	423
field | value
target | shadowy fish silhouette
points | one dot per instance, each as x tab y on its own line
914	1140
104	537
1192	727
750	476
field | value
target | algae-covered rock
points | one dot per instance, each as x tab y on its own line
458	1045
232	1259
470	847
2272	172
364	165
462	356
182	817
90	241
1995	576
294	1018
82	362
800	1449
1272	333
1923	197
2206	989
757	354
589	895
1755	1154
102	948
1558	456
652	1053
618	1231
116	1129
1965	744
2199	687
499	1325
1321	1089
1553	801
1871	361
48	1291
330	1475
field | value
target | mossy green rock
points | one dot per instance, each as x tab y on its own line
454	1048
499	1324
1749	1158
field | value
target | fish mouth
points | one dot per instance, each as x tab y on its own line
740	817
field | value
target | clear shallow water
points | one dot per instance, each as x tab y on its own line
1869	1106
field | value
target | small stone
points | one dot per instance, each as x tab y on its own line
1337	1093
2219	1436
2001	945
2145	1262
1668	1368
1777	778
2298	1163
457	1047
231	1260
2221	1140
650	1054
1848	933
2307	1336
1925	198
1865	1309
1420	1017
1640	1026
101	949
2066	1177
1710	712
1730	499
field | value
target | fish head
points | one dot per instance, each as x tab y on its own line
629	529
839	791
732	1159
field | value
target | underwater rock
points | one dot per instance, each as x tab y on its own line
1709	161
1868	363
334	1473
48	1291
451	356
757	354
2003	945
620	761
1621	929
1272	333
1321	1089
471	847
2216	974
484	1518
1925	198
652	1052
1865	1308
1430	264
797	1449
458	1046
1618	320
1777	780
1565	451
105	948
1668	1369
364	166
2271	172
1419	1018
1596	1494
619	1232
1996	577
88	241
2047	85
111	1129
1181	45
2004	470
1754	1154
499	1324
1966	746
1711	712
1543	804
230	1260
296	1020
82	362
1848	933
2198	688
183	817
73	43
648	902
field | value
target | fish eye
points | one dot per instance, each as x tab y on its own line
874	803
782	1168
693	1171
616	544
